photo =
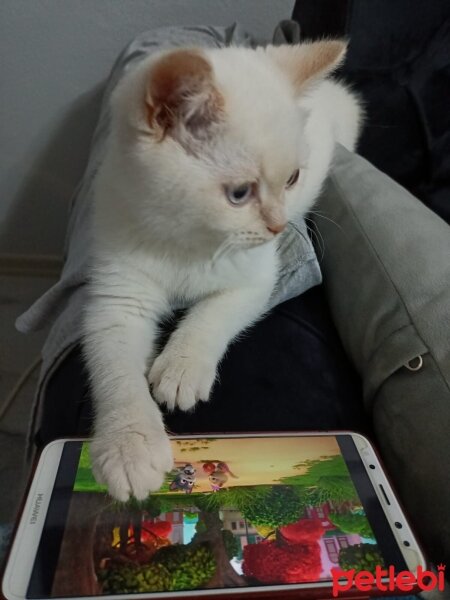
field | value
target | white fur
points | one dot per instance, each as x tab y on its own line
166	236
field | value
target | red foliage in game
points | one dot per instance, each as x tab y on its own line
269	562
161	529
304	531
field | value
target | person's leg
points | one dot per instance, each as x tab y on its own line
289	372
67	409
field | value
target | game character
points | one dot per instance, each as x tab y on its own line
182	482
219	475
209	467
188	469
223	467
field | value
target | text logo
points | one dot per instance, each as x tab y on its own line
386	580
36	508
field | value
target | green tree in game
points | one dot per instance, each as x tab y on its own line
172	568
361	557
281	506
351	523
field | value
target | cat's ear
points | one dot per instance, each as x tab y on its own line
181	95
308	62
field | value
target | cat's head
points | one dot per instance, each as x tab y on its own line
215	139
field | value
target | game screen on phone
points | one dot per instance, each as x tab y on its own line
234	512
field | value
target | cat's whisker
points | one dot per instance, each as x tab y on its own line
219	251
322	216
222	250
317	236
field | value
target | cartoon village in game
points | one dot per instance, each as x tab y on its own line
233	512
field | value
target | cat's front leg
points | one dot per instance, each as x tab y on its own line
130	450
186	369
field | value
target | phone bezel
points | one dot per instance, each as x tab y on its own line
29	530
28	534
412	554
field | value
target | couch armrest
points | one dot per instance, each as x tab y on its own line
386	268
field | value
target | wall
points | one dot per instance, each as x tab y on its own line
54	54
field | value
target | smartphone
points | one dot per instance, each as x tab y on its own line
244	516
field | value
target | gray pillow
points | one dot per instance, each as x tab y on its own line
386	269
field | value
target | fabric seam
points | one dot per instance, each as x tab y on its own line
354	217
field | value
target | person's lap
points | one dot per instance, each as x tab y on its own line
289	372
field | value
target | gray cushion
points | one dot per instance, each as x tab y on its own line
386	269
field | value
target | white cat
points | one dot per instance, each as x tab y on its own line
211	152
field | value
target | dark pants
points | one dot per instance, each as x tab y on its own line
289	372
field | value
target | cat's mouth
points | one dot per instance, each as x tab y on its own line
241	241
248	244
250	239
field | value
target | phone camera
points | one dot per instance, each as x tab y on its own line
406	543
398	525
372	466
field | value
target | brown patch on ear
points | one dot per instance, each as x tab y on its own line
181	91
305	63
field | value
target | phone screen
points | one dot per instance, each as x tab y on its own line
235	512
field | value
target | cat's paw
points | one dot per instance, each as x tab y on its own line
131	462
178	379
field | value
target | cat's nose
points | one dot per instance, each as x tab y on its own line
278	228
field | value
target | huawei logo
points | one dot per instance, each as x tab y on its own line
36	508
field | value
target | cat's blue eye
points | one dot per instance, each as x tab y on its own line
240	194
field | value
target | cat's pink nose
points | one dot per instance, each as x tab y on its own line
276	228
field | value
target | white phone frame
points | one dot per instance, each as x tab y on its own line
22	555
28	534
